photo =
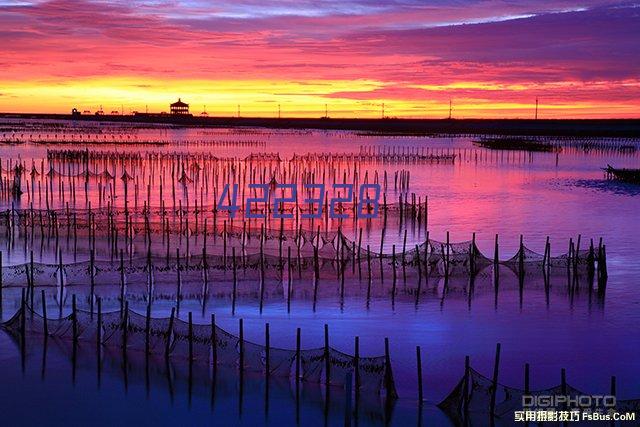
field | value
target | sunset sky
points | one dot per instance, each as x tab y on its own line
491	58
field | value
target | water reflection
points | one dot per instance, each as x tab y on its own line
549	322
131	386
607	185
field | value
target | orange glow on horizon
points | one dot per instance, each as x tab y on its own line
345	98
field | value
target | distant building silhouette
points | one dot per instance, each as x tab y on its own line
179	107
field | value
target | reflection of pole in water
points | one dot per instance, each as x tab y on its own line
327	371
347	407
241	367
125	322
298	341
0	284
496	272
45	336
267	369
99	343
23	327
74	327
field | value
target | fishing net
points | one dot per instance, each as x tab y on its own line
86	326
62	328
452	403
269	255
198	339
371	373
339	365
312	364
76	274
112	327
136	330
507	399
159	334
630	405
226	351
20	275
526	256
254	356
281	361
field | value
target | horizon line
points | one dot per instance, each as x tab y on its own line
138	114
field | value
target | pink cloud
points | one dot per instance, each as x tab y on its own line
593	50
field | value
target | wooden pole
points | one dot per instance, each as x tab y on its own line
241	345
388	380
99	328
419	363
613	385
167	349
446	264
60	271
393	263
74	319
214	340
327	359
125	327
23	321
122	283
466	396
235	282
45	328
179	277
32	280
0	281
521	258
495	381
472	255
147	328
356	363
190	337
267	351
289	279
563	384
298	342
496	269
91	279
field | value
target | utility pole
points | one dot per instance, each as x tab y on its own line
450	108
238	110
279	111
326	111
536	108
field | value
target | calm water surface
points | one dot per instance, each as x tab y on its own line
486	192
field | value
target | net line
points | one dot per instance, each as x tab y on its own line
270	253
204	343
473	394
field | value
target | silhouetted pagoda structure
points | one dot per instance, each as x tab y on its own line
179	107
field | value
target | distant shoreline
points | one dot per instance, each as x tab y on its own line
613	128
